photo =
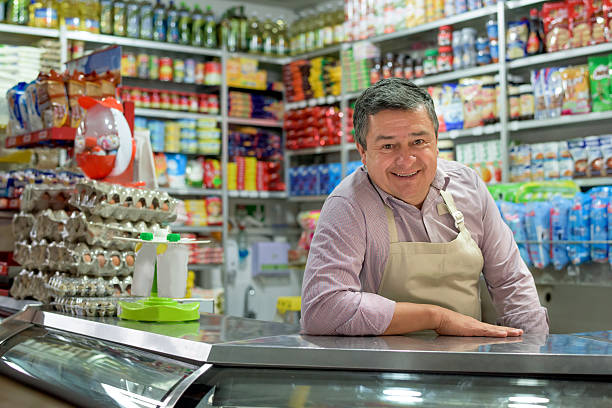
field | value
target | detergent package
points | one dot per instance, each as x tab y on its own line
599	228
514	216
558	227
537	222
579	229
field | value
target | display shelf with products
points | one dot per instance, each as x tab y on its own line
62	135
515	4
257	194
30	31
560	121
260	58
255	122
565	55
196	229
326	100
458	74
142	44
190	191
313	150
172	114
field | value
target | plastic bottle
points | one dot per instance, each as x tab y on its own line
535	43
319	19
172	24
375	71
159	22
16	12
32	7
90	21
119	17
133	19
184	25
233	37
339	34
282	38
254	34
328	26
106	16
210	29
146	20
43	14
293	36
197	27
387	66
224	29
267	37
301	35
70	16
243	29
309	29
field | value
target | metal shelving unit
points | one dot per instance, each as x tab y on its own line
544	59
313	150
516	126
191	191
454	75
27	30
257	194
255	122
171	114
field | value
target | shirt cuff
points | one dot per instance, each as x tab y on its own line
372	317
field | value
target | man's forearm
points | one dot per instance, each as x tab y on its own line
411	317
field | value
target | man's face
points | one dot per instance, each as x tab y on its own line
402	153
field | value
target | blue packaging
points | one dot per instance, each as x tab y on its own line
579	228
599	228
514	216
323	173
559	230
452	107
537	226
312	180
610	231
352	166
176	170
293	181
335	176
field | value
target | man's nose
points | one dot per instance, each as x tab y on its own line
406	156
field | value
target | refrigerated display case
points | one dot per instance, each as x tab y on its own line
231	361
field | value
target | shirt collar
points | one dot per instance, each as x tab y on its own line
440	181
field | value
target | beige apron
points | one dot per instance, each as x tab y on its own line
443	274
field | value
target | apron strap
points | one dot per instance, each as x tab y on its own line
452	209
391	223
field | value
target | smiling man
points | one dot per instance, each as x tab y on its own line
401	243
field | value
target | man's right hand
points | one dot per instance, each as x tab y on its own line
456	324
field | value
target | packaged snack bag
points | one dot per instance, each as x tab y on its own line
580	20
452	107
514	216
576	94
537	226
579	156
52	99
579	228
31	98
595	167
556	26
76	88
558	226
18	113
470	94
599	78
598	22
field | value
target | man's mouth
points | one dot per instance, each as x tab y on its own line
406	174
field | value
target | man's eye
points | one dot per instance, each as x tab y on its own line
419	141
387	146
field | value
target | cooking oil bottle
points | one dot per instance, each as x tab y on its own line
90	16
184	25
282	39
70	14
43	13
132	18
210	29
267	37
197	27
146	20
106	16
119	17
172	24
254	34
159	22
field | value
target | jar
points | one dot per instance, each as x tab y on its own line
203	103
445	36
183	102
526	102
165	69
457	45
145	97
155	99
164	100
483	53
193	102
200	73
430	63
135	95
514	102
213	104
190	67
445	59
418	68
179	70
153	67
143	66
408	68
175	101
375	71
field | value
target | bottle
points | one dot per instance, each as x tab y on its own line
70	17
398	66
301	35
106	16
339	24
254	35
267	37
233	37
146	20
387	67
197	27
375	71
243	29
133	19
319	23
224	29
293	37
172	24
309	29
184	25
282	39
90	21
535	43
43	14
119	17
328	26
408	68
210	29
17	12
159	22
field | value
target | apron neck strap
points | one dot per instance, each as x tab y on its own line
452	209
391	223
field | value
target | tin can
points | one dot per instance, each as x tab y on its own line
155	99
128	65
179	70
143	66
164	100
190	68
175	101
200	73
193	102
153	67
184	102
203	103
165	69
145	97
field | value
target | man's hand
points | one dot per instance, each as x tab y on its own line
455	324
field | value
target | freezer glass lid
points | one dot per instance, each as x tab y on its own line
108	374
253	387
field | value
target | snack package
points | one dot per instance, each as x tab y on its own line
177	168
93	87
452	107
606	152
470	98
599	78
52	99
579	156
35	120
18	113
576	93
537	225
580	16
609	231
76	88
595	165
514	216
436	95
598	22
579	228
558	226
553	91
599	228
556	26
516	38
212	173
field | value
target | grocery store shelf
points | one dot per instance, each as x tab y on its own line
434	25
42	137
461	73
514	4
308	199
559	121
471	132
203	267
261	58
594	181
271	231
196	229
256	194
27	30
190	191
325	100
255	122
317	53
313	150
352	95
171	114
137	43
560	55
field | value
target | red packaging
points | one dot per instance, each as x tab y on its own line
240	167
607	12
556	26
580	14
598	22
155	99
261	177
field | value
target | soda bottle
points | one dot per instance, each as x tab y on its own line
106	16
119	17
133	19
197	27
210	29
172	24
254	34
159	22
184	25
146	20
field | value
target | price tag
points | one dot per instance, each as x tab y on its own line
42	135
27	138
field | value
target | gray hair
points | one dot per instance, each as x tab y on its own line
390	94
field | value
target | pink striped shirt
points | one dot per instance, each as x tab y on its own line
350	248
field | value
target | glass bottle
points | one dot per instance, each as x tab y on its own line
535	41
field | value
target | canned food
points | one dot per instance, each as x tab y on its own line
128	65
165	69
193	102
135	96
153	67
143	66
190	68
175	101
164	101
145	97
200	73
203	103
184	102
155	99
179	70
213	104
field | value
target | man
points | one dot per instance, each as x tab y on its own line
401	242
